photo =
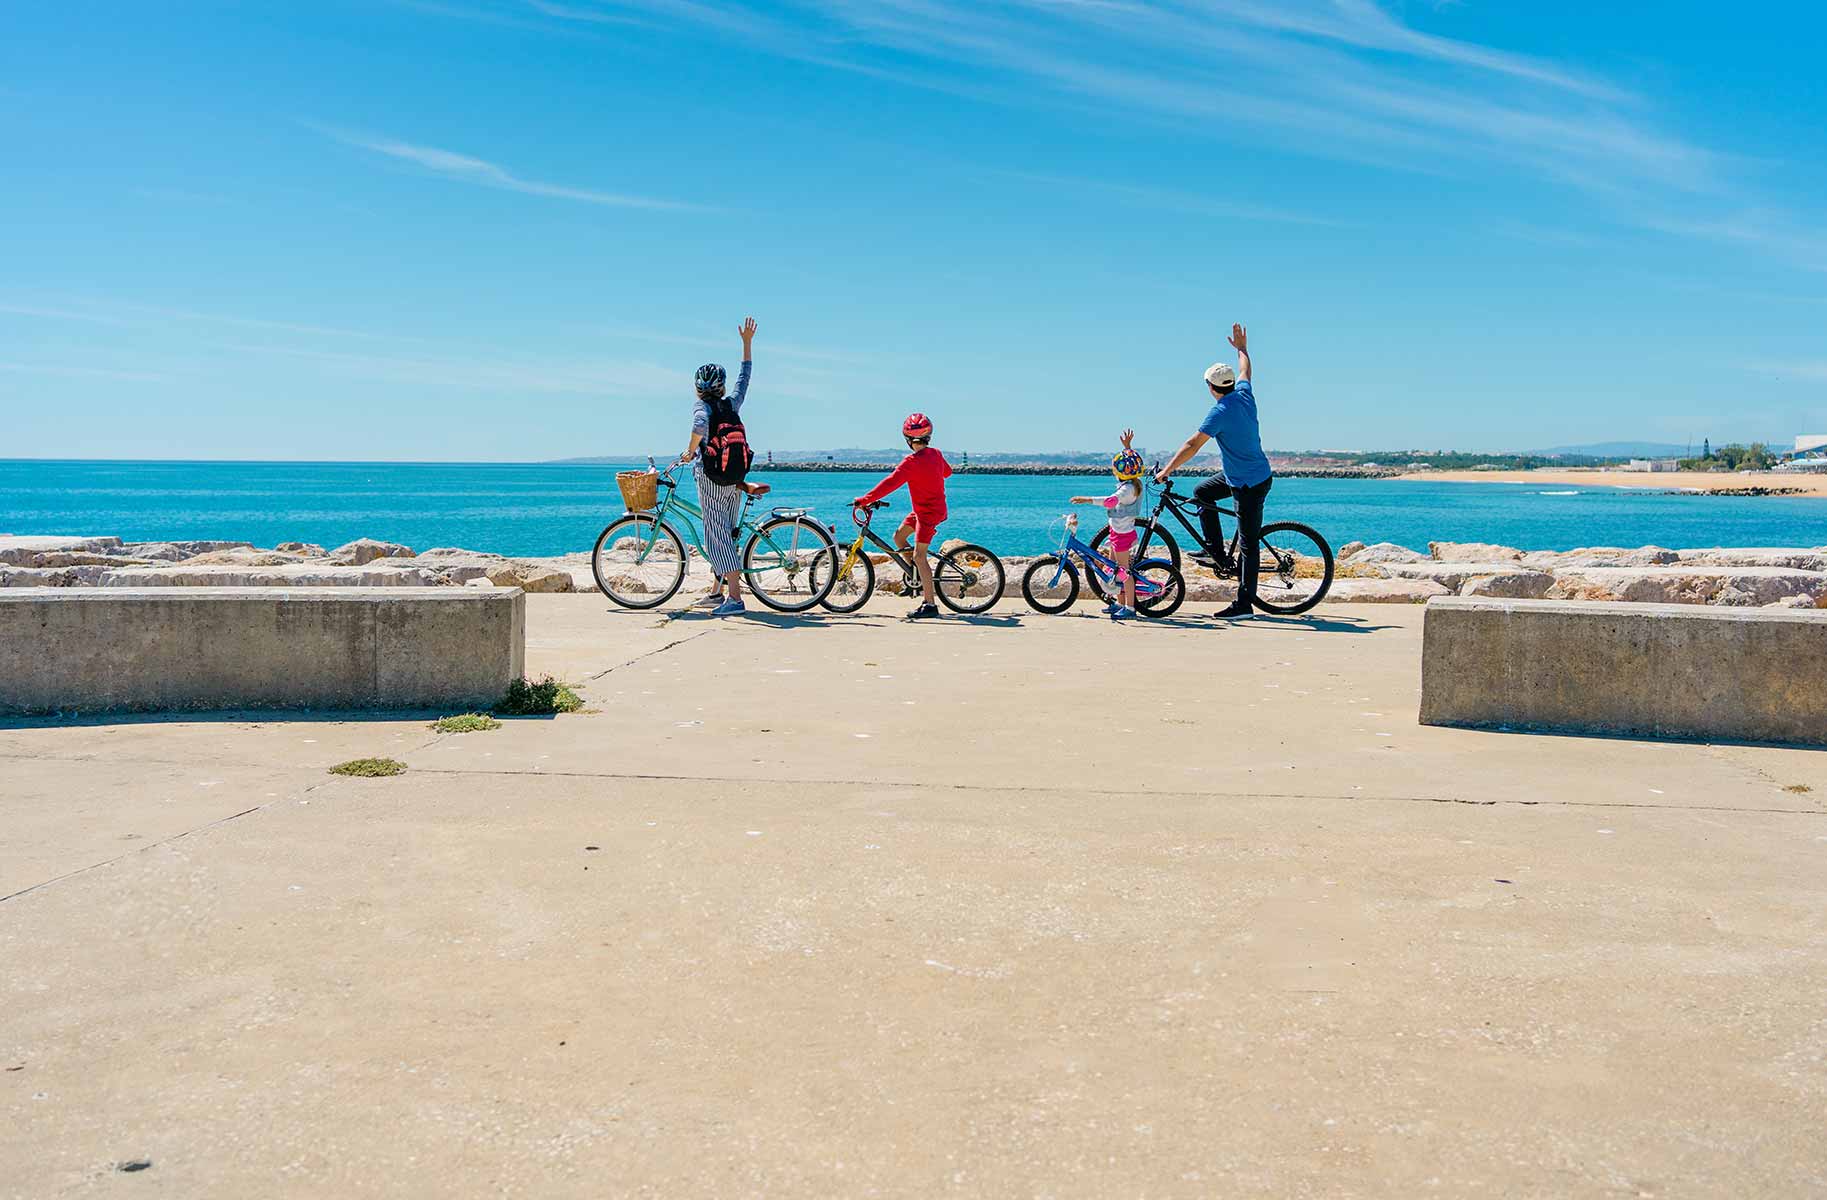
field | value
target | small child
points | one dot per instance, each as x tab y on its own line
924	471
1122	505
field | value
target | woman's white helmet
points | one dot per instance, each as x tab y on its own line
1221	375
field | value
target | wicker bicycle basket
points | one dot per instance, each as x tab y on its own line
640	489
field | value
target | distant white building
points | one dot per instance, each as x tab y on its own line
1810	445
1652	464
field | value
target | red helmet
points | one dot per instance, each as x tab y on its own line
917	426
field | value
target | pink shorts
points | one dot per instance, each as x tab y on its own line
923	526
1123	543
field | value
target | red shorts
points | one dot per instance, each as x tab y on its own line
925	526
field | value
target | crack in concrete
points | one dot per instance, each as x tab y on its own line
651	653
165	841
1022	788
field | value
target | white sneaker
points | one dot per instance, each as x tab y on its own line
709	600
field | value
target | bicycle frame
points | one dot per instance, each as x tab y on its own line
1177	503
866	533
672	503
1111	573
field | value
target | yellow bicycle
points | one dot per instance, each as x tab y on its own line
968	578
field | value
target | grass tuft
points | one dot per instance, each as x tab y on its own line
369	768
541	699
1798	788
466	723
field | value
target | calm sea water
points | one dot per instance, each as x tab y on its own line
540	509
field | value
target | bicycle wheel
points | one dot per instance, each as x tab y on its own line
969	579
1160	573
1296	569
1156	542
1042	593
851	590
790	563
639	562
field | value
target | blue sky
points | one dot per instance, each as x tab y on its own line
510	229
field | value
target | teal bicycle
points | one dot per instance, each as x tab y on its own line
788	559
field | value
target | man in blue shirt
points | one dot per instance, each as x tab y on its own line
1246	475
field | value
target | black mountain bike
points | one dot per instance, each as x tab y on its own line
967	578
1296	568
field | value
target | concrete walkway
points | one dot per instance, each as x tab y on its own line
1015	906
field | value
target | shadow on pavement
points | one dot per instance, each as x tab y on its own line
1321	624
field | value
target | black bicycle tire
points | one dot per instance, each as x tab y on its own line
830	549
1051	608
1325	582
602	539
1163	608
1160	534
867	565
988	602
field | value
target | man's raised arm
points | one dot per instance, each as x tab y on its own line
1241	340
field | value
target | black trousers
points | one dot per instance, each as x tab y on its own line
1249	523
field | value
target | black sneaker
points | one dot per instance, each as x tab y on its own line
924	611
1235	612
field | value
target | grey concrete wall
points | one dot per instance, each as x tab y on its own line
153	649
1654	670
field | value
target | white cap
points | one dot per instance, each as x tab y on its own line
1221	375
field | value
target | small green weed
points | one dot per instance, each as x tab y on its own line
369	767
466	723
539	699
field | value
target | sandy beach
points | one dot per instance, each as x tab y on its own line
1704	481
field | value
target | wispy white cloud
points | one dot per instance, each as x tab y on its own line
1172	200
481	172
1344	79
1808	372
122	313
81	372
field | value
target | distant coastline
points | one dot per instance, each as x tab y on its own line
1065	469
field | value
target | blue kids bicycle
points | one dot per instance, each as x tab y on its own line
1050	584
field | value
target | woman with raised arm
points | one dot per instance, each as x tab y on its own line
720	455
1246	473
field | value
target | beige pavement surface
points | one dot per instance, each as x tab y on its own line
1021	906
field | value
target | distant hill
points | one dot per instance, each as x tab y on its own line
1621	450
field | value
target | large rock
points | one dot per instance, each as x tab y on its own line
1384	591
1794	559
1599	556
362	551
1348	549
1478	552
179	551
302	549
1387	552
1452	575
296	575
84	558
242	556
17	550
1743	586
1510	585
531	577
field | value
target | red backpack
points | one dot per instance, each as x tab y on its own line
724	453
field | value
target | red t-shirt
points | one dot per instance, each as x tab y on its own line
924	472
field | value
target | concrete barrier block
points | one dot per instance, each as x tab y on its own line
1638	670
165	649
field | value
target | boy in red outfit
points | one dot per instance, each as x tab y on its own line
924	471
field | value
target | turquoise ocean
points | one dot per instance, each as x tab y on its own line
554	508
